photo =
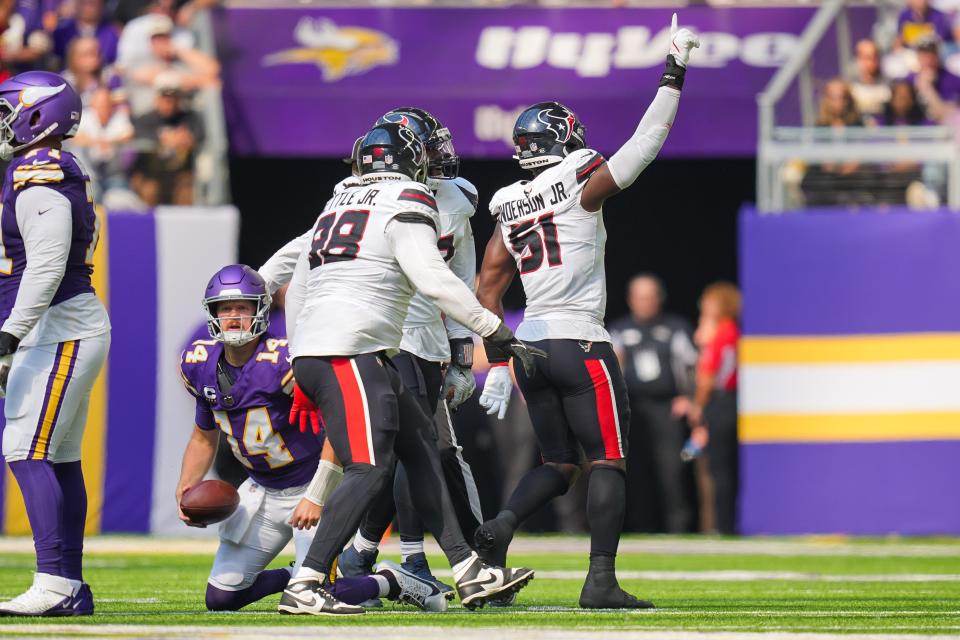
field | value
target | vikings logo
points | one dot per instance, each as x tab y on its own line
561	126
337	51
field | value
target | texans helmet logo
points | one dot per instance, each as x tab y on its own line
413	143
397	118
561	126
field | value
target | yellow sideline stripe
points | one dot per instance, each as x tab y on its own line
859	427
93	448
849	348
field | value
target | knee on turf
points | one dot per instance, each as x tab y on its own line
218	599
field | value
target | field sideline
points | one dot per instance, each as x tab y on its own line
771	587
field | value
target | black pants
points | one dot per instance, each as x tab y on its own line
372	421
577	398
424	380
665	483
723	454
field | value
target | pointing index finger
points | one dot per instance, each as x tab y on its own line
673	24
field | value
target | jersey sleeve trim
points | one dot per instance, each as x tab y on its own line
47	173
419	218
471	196
415	195
588	167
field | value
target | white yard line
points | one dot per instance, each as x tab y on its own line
423	633
814	546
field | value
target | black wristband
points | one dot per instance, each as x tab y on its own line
495	353
673	74
461	352
8	343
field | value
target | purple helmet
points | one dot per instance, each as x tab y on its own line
35	105
237	282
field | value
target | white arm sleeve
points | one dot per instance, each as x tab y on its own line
640	150
46	225
296	292
464	266
278	270
415	246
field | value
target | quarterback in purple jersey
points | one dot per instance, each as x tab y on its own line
55	333
242	382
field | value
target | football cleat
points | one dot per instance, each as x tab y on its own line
479	582
48	596
359	563
602	591
423	594
492	539
306	596
80	604
503	600
417	565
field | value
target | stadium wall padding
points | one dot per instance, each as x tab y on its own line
850	372
151	269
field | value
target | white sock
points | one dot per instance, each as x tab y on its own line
363	544
460	568
408	549
383	583
307	572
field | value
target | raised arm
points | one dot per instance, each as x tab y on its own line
640	150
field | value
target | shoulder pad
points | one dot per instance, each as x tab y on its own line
418	195
588	164
41	167
468	190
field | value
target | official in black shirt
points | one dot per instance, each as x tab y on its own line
658	357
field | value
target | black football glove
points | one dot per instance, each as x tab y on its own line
501	344
8	346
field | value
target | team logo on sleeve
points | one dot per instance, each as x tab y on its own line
337	51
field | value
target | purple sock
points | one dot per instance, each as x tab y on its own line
70	478
270	581
354	590
44	502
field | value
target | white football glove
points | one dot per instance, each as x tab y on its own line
682	41
458	385
496	391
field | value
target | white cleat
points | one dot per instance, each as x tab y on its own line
48	596
306	596
480	582
414	590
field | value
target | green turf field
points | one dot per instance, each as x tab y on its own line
896	587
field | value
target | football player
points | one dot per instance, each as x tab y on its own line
55	333
551	230
428	342
371	248
242	382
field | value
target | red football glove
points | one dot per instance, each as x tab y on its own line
304	409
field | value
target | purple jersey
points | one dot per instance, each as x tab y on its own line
255	413
58	170
913	28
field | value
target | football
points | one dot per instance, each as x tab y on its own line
210	501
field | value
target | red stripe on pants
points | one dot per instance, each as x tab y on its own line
602	387
353	405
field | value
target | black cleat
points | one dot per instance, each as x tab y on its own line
306	596
602	591
480	582
492	539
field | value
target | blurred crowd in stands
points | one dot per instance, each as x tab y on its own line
909	77
141	77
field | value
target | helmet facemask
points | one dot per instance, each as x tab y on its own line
258	322
443	163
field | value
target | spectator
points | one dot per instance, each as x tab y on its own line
104	129
24	44
714	412
134	48
85	71
658	358
837	107
194	68
918	21
89	21
903	108
163	174
868	87
937	88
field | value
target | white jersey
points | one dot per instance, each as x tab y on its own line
356	295
559	249
424	332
